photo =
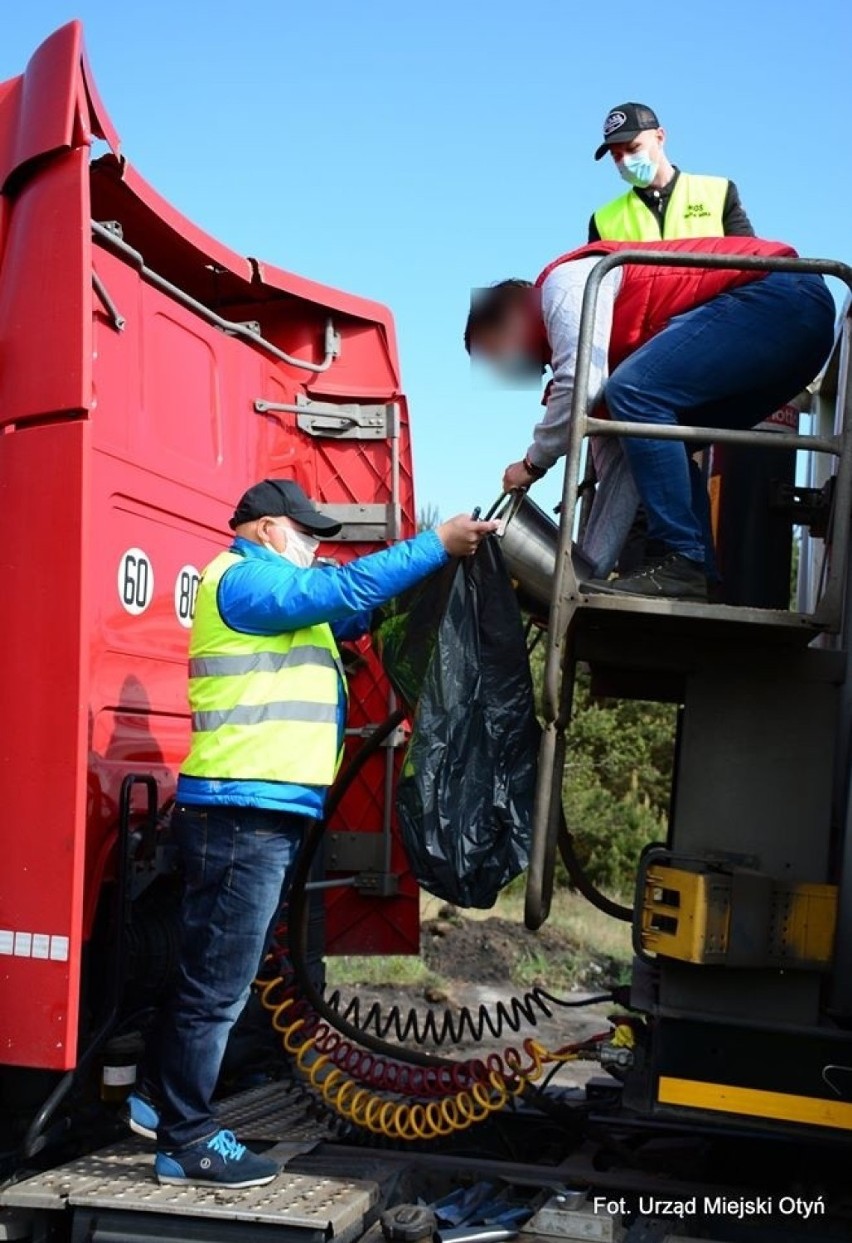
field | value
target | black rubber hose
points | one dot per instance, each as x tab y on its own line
580	880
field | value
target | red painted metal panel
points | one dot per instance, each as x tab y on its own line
45	295
44	673
45	110
140	441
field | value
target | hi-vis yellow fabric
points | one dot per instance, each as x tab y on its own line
264	707
696	209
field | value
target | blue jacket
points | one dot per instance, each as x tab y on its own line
266	594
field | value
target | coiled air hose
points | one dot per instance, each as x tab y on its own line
461	1093
436	1118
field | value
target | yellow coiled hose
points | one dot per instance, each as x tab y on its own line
387	1115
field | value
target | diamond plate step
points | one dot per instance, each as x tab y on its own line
122	1177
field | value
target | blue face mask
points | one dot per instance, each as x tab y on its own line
638	170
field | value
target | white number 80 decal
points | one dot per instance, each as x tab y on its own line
186	591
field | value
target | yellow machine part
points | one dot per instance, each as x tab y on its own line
687	915
755	1103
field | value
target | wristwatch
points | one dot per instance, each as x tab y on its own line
537	472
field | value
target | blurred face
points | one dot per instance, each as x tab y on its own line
507	348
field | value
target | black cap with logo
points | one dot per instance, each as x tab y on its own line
282	498
623	123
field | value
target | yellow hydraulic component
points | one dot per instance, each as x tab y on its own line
388	1115
738	918
806	921
684	914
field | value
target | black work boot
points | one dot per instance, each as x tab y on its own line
671	576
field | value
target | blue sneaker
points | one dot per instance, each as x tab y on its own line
141	1116
219	1161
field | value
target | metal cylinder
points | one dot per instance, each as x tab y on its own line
529	540
409	1223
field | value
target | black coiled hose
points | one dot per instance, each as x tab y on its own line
448	1027
440	1029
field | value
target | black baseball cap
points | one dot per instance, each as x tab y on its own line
623	123
282	498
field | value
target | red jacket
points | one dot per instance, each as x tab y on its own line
651	296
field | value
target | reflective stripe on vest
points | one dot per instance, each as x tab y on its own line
696	208
259	662
258	714
264	707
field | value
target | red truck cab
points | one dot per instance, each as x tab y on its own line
148	376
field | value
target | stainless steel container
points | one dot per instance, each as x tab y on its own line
529	541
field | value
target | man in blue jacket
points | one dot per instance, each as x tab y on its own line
268	698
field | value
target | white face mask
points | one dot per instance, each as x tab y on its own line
301	548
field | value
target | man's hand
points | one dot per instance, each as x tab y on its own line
518	476
461	536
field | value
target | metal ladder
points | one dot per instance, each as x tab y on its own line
613	618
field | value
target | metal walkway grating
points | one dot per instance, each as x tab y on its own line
121	1178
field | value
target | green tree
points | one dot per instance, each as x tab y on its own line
617	782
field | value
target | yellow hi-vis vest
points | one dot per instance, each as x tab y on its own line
264	707
696	209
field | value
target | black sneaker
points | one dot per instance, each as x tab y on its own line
218	1161
670	577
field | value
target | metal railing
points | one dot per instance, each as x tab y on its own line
110	239
566	597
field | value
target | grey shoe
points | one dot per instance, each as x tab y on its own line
671	577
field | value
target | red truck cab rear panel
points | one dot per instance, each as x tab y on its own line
122	450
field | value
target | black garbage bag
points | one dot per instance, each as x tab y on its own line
405	631
466	793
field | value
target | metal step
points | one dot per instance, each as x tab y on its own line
742	625
121	1178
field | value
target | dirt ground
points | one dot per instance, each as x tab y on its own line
484	962
496	950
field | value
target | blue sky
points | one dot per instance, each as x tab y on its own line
408	151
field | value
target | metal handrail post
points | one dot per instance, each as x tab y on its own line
556	705
828	609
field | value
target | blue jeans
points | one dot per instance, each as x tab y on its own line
728	363
237	863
